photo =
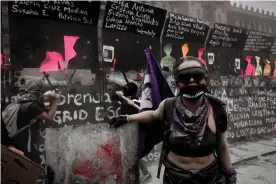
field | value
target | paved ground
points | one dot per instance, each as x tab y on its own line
249	160
258	171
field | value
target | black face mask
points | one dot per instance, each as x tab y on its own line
194	92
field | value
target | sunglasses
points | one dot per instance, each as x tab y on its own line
184	76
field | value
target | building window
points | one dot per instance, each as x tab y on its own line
260	27
255	26
270	30
219	19
198	13
265	28
238	22
242	24
249	25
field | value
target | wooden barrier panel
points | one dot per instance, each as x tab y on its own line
18	169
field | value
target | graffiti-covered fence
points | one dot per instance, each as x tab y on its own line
62	38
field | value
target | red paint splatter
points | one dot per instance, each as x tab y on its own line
1	62
108	163
61	180
138	76
82	167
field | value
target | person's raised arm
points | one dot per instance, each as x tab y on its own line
51	114
54	102
148	116
143	117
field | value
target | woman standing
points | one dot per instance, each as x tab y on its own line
196	150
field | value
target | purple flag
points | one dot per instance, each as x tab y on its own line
155	89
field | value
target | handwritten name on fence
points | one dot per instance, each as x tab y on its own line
258	42
251	111
134	17
75	11
185	28
227	36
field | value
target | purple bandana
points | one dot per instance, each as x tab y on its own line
189	125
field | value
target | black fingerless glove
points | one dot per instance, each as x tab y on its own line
230	176
118	121
231	179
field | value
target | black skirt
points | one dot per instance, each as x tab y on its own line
208	175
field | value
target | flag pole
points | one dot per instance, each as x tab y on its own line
125	77
128	101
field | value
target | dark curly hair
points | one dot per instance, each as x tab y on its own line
130	89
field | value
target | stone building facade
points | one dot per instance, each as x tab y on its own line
250	18
224	12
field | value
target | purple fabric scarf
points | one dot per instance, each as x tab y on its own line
186	124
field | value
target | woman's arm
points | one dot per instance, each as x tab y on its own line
223	153
50	115
148	116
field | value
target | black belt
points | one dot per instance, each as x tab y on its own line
175	168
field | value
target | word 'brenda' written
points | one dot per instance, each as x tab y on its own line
80	99
63	10
122	15
81	107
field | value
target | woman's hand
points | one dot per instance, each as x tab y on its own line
230	176
120	93
118	121
131	102
16	150
53	96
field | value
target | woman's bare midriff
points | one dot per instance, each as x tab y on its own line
195	162
191	162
